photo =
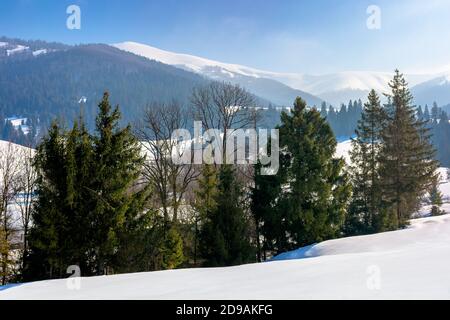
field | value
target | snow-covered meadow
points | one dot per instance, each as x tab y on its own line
406	264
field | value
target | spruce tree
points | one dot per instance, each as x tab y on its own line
47	257
435	198
324	110
419	113
317	191
87	204
407	165
426	114
266	211
172	250
365	209
118	162
225	235
205	201
435	112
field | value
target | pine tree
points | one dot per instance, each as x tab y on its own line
419	114
172	250
435	198
435	112
426	114
364	213
87	203
317	190
267	211
323	110
118	162
225	235
407	165
205	201
47	250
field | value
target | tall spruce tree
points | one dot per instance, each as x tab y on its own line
407	165
87	200
365	212
118	162
225	235
266	212
205	201
435	197
48	257
317	191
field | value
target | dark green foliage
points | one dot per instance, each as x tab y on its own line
87	202
407	165
306	201
365	212
205	202
171	250
315	198
268	211
435	198
224	239
345	120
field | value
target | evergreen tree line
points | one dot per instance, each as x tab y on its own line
98	206
90	208
393	163
15	134
343	121
310	199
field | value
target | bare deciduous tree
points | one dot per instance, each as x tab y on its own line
9	176
225	107
26	186
170	180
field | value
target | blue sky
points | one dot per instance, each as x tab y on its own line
311	36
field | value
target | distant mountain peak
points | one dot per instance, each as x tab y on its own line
335	88
191	62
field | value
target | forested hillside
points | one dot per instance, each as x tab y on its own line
51	85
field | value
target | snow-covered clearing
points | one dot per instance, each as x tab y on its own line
407	264
17	49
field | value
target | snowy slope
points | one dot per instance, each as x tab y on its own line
335	88
406	264
256	81
434	90
190	62
343	150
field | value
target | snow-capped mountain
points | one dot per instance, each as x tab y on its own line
262	83
436	89
335	88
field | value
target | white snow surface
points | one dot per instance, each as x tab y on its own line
343	150
406	264
17	49
190	62
39	52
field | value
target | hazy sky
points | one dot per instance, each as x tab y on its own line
312	36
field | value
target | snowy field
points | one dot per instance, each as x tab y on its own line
412	263
408	264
